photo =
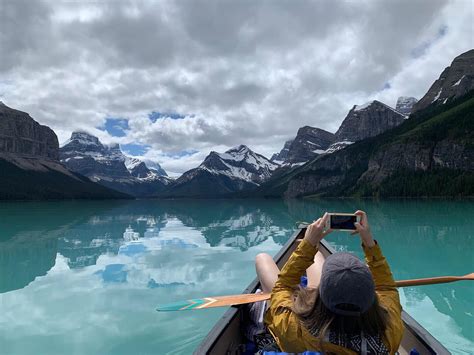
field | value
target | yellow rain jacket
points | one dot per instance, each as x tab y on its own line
285	326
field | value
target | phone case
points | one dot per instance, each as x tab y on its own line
328	223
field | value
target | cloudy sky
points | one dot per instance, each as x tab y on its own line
173	80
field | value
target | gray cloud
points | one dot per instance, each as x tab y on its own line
240	71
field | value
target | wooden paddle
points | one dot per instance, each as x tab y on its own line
233	300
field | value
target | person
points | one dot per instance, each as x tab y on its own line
346	308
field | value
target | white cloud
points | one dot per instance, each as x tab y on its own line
242	72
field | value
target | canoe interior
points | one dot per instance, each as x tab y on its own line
226	336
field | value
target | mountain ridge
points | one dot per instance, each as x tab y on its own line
107	165
456	80
221	174
437	142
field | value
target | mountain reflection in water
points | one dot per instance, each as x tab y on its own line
192	248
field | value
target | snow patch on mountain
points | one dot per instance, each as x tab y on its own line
131	162
337	146
437	95
459	81
363	107
369	104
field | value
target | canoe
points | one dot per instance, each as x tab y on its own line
226	337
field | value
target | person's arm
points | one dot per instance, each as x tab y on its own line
385	286
281	320
289	277
379	268
377	263
387	293
299	261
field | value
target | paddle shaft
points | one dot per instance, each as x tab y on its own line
433	280
233	300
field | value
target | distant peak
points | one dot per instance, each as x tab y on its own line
82	135
407	98
305	129
374	102
83	138
114	146
364	106
239	149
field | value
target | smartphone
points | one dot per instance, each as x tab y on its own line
342	221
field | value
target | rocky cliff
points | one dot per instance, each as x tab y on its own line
455	81
368	120
23	136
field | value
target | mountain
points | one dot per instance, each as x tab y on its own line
430	154
455	81
361	122
29	164
107	165
154	166
405	104
221	174
368	120
308	143
282	156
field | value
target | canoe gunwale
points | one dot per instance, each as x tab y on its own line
411	325
422	335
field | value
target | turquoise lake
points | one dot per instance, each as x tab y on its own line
70	283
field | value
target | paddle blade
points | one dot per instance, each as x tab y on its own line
469	276
181	306
211	302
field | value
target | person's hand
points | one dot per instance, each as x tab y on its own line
315	231
363	229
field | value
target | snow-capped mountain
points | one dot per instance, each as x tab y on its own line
455	81
223	173
405	104
240	162
85	154
368	120
143	168
153	165
308	143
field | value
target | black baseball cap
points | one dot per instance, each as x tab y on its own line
346	280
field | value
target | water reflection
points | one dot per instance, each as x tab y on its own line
166	250
21	263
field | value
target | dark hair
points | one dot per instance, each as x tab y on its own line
318	319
